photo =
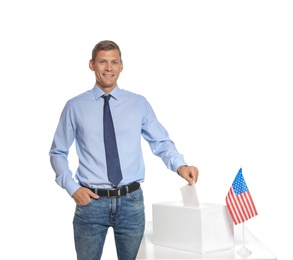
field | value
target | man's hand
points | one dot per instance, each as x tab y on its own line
189	173
83	196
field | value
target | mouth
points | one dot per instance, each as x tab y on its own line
108	75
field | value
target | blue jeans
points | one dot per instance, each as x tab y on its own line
91	222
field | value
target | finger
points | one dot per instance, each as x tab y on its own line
93	195
191	180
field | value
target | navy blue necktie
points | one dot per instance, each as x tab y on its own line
112	158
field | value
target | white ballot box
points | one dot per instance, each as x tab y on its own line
201	228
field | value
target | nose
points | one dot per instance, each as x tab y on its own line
108	67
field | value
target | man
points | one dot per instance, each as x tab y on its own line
101	203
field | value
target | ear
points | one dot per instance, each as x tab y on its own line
91	65
121	67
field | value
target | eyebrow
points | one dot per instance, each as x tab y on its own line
109	60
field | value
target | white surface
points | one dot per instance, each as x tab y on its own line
198	229
258	251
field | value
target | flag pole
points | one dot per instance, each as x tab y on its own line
243	251
240	206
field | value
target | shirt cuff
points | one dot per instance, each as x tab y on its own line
177	163
72	187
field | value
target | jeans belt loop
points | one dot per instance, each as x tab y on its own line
126	189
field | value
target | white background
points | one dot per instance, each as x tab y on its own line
217	73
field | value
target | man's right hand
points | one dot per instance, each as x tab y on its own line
83	196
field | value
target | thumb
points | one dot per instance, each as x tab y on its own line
191	181
93	195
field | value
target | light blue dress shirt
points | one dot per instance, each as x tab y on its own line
82	121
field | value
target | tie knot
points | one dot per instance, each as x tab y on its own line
106	97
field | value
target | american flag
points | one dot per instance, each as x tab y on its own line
239	201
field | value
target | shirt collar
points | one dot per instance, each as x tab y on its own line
99	93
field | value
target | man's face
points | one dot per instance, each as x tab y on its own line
107	67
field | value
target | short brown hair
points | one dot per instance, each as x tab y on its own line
105	46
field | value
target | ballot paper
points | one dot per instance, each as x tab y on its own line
189	195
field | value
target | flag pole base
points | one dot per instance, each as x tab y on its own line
243	251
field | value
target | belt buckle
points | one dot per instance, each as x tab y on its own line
113	196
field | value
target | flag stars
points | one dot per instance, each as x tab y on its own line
239	184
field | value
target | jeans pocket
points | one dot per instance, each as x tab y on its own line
136	195
85	205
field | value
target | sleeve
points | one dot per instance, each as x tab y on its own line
158	138
62	141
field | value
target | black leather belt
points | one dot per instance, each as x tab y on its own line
116	192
